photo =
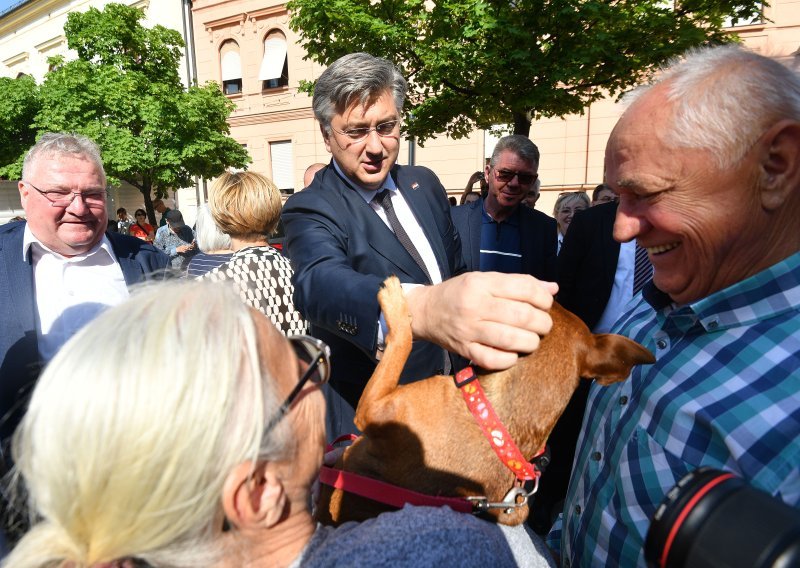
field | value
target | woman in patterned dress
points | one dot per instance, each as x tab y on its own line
247	206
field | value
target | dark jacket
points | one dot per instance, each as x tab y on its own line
20	362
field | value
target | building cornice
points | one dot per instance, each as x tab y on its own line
272	116
27	13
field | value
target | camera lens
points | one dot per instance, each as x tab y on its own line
713	519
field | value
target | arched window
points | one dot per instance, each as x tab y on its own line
231	66
275	65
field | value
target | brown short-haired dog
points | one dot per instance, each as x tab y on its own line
422	436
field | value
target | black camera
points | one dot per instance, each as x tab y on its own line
713	519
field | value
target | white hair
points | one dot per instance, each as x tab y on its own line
134	426
724	98
53	144
209	236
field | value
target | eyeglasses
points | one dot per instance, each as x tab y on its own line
63	198
572	210
317	356
506	176
359	134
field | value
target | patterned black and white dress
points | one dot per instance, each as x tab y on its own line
263	278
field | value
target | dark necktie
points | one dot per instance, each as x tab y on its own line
642	269
384	199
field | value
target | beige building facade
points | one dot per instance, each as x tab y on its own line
275	122
248	48
32	31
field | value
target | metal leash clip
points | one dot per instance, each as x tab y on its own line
516	497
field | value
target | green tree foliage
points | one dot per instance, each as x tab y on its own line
477	63
19	103
124	92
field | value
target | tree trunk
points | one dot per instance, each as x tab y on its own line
148	204
522	123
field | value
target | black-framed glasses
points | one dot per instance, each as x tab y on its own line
359	134
317	355
506	176
64	197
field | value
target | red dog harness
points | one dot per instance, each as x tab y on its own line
498	437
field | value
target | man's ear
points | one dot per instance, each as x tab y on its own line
326	137
23	193
253	496
779	164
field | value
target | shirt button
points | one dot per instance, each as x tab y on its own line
596	456
661	344
577	509
713	324
623	400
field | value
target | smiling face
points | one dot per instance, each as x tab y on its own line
67	230
505	196
570	205
366	162
703	228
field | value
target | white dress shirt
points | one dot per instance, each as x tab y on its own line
71	291
621	291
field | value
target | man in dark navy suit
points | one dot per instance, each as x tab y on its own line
60	268
364	218
497	233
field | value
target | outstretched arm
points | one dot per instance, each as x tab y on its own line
487	317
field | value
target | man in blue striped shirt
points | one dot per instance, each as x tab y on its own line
707	166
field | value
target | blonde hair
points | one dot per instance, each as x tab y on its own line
571	197
245	204
121	462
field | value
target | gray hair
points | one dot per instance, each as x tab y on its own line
120	462
53	144
522	146
724	98
209	236
357	77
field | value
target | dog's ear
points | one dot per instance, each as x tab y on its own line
612	357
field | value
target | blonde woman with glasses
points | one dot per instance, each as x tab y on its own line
211	465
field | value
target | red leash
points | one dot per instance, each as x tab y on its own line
387	493
493	429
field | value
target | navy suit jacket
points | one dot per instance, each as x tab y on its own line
20	362
341	252
538	239
587	264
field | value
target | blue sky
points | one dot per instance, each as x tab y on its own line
6	4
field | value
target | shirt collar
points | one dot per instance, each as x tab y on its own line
366	194
512	220
766	294
29	239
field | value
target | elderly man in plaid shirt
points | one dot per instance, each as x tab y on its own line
707	166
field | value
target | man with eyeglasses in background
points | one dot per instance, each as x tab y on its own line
497	234
60	268
364	218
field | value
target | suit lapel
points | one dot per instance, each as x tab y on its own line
380	238
474	230
20	280
131	270
530	253
415	196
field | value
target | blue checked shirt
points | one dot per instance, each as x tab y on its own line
724	392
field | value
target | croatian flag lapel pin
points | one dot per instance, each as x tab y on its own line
415	185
